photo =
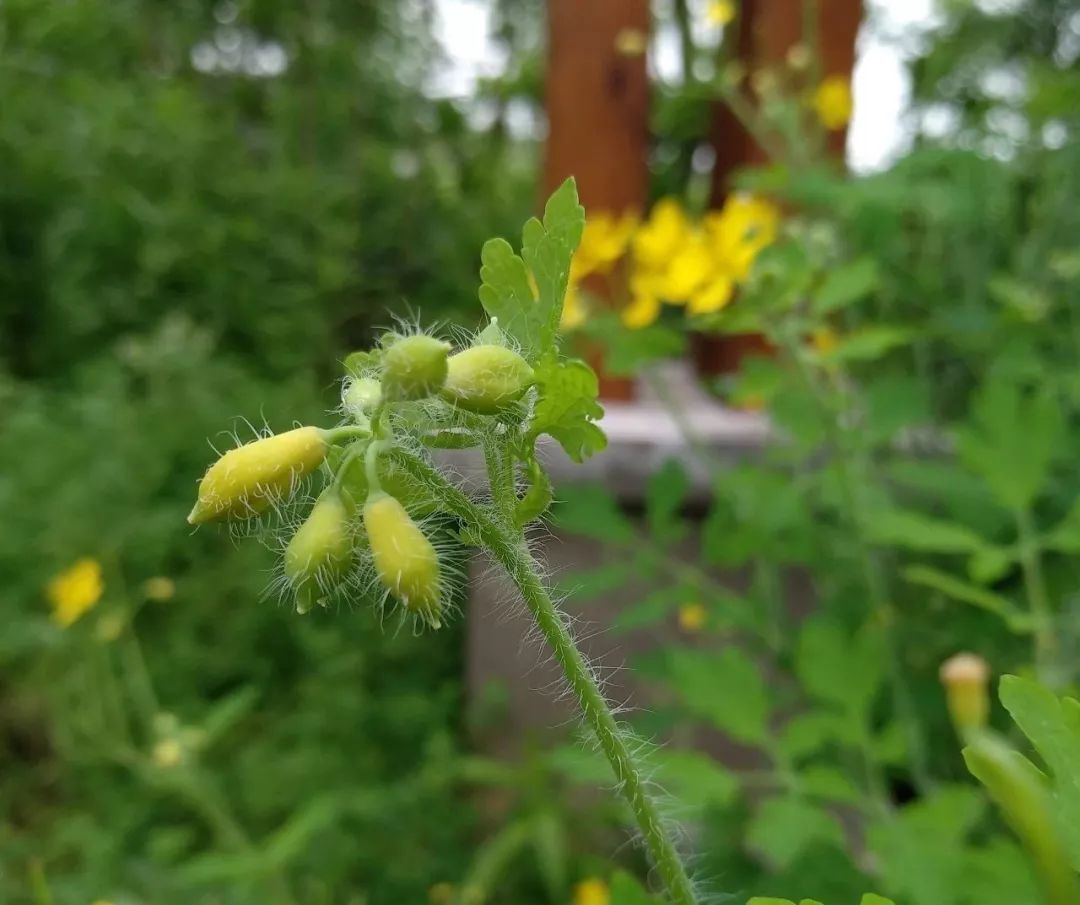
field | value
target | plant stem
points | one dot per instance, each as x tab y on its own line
509	549
1038	599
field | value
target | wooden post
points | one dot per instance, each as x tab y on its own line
597	99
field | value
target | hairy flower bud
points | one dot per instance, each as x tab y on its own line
485	378
320	553
965	677
246	480
360	396
405	560
414	367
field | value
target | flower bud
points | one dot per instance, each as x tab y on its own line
360	396
405	561
246	480
485	378
320	553
414	367
965	677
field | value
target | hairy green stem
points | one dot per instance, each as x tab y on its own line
508	547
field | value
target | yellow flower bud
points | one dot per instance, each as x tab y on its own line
414	367
965	677
246	480
485	378
405	561
320	552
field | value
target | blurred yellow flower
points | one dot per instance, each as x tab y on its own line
631	42
574	312
720	12
688	269
591	892
824	340
832	102
441	894
604	240
662	235
692	617
642	311
75	591
159	588
167	753
713	296
101	902
743	227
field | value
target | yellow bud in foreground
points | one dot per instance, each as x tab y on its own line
320	552
246	480
405	560
485	378
965	677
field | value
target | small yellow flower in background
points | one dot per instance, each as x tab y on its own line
642	311
591	892
741	230
688	269
824	340
662	235
75	591
631	42
101	902
574	313
604	240
167	753
720	12
833	103
441	894
713	296
159	588
692	617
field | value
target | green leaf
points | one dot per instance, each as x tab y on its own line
664	497
999	874
869	343
915	531
785	826
1013	441
918	849
872	899
546	251
566	407
652	609
726	689
695	779
1017	620
840	669
846	284
1052	728
768	900
1065	536
829	784
808	733
625	890
626	351
591	510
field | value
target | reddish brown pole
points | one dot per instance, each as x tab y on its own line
597	99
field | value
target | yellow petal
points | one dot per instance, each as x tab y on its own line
833	103
574	313
641	312
713	297
720	12
75	591
592	892
688	270
692	617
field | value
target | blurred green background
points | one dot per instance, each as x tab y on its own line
203	207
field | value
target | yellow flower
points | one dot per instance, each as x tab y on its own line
167	753
75	591
101	902
574	312
824	340
441	894
159	588
631	42
641	312
604	240
832	102
692	617
662	235
744	226
720	12
713	296
592	892
687	270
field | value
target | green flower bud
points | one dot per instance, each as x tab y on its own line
405	560
246	480
321	551
361	396
485	378
414	367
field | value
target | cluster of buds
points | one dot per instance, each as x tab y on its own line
367	527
